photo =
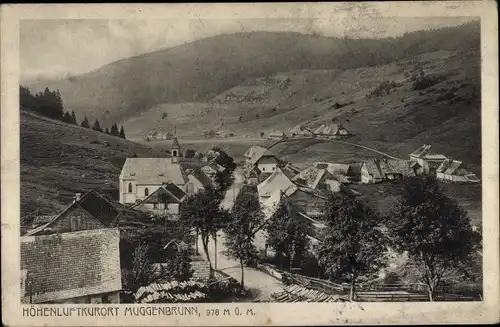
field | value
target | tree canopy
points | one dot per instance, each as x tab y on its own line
353	244
246	216
202	212
288	233
433	229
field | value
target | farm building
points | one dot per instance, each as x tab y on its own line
211	169
290	170
378	170
318	179
309	200
455	171
427	160
76	267
197	180
278	198
277	135
87	212
262	158
164	201
300	131
331	131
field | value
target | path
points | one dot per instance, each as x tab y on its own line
337	141
261	284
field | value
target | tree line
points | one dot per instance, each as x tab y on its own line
49	104
425	224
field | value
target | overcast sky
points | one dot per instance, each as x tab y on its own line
58	48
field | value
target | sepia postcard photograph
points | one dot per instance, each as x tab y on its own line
250	164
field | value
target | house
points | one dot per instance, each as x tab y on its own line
197	180
309	200
427	160
277	135
331	131
371	172
279	198
300	131
211	169
87	212
315	178
290	170
76	267
378	170
164	201
255	176
142	176
262	158
455	171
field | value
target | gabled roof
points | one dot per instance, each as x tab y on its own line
255	153
420	152
312	177
333	168
424	153
99	207
449	166
93	204
290	170
173	192
331	129
391	166
68	265
277	181
175	144
200	175
373	168
153	171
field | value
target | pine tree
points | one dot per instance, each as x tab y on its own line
122	133
85	123
97	126
66	118
114	130
73	118
106	131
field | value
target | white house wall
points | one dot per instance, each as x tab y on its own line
267	164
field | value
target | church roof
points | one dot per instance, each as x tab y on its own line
175	144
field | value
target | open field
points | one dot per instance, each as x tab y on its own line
58	160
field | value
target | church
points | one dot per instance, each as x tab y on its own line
140	177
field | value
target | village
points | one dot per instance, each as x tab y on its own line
84	253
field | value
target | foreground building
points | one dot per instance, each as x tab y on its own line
75	267
165	201
259	164
87	212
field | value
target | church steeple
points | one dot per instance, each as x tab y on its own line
176	148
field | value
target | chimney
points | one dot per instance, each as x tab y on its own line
77	197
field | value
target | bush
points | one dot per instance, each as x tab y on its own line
384	88
190	153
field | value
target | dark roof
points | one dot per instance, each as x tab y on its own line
202	177
68	265
99	207
173	192
175	144
93	204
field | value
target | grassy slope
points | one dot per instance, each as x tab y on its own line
201	70
58	160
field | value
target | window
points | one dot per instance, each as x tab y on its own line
130	187
274	168
155	206
146	192
263	168
106	299
190	187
